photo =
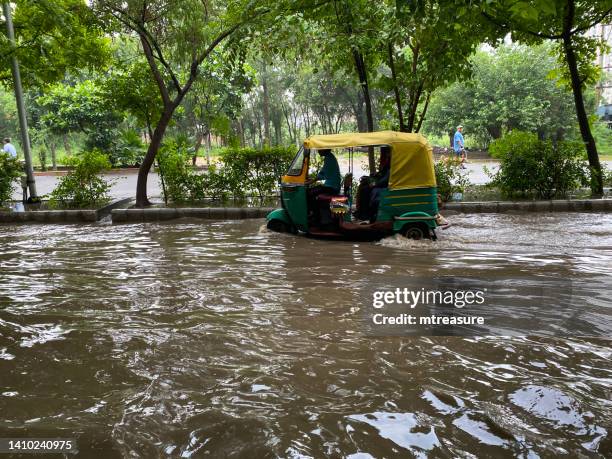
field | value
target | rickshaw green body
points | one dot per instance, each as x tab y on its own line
410	198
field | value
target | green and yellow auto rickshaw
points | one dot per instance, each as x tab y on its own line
408	205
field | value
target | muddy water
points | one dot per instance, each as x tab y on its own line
222	339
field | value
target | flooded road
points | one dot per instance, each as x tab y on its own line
221	339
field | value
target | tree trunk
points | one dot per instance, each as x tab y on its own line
423	113
53	149
414	105
147	162
266	108
361	126
398	99
241	132
363	80
583	120
67	146
196	149
285	110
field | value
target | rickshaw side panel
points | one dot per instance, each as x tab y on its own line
279	214
395	203
295	204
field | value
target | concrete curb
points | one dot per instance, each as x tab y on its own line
159	214
61	216
562	205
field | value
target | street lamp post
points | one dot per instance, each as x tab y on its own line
23	121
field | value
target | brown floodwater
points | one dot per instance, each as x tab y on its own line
221	339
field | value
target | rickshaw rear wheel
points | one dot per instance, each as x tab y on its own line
278	226
416	231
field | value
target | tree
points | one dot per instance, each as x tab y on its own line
52	38
425	45
80	107
129	86
176	37
344	35
512	87
563	21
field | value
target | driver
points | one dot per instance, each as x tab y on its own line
330	175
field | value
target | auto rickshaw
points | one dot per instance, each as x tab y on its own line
409	205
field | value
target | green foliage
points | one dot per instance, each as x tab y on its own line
450	178
242	172
510	89
603	137
83	186
129	86
516	142
534	167
128	150
532	21
81	107
178	178
10	170
607	177
429	47
252	171
42	157
53	37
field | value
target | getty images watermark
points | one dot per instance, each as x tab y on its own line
387	303
486	306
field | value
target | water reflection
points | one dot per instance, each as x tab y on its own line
224	339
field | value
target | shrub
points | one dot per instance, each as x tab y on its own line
129	150
450	178
10	170
83	186
252	171
607	176
42	157
517	142
242	171
177	177
534	167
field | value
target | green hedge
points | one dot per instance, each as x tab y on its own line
241	172
530	166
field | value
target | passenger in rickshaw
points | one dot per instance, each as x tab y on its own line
368	193
330	175
382	181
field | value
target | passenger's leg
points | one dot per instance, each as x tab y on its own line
363	200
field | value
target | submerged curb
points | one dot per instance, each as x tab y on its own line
561	205
203	213
61	216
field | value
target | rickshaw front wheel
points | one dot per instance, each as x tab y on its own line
278	226
416	231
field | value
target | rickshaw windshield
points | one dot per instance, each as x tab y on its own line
297	163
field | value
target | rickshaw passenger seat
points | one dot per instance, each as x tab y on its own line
347	184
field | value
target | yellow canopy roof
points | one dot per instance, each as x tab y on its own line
360	139
412	163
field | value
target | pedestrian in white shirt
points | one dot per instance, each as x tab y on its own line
9	148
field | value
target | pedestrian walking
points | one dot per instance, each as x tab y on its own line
9	148
459	145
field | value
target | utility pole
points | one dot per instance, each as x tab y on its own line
23	121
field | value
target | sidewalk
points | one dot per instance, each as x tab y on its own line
124	184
